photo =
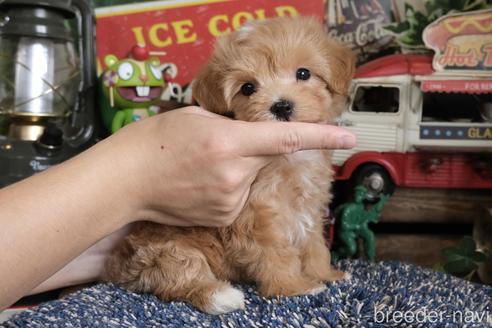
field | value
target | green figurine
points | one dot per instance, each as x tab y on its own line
354	221
132	85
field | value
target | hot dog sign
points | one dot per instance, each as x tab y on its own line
462	42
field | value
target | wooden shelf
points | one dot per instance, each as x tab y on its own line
430	213
422	249
435	205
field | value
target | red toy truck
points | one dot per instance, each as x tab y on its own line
416	129
423	120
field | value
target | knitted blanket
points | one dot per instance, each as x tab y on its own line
385	294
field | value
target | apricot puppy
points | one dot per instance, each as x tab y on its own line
281	69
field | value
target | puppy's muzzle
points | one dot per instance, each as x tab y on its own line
282	109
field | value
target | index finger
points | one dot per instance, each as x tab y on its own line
277	138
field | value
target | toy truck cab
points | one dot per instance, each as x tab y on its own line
416	128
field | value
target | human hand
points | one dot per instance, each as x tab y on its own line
185	167
192	167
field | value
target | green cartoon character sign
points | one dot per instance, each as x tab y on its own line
131	86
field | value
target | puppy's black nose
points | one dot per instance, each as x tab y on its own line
282	110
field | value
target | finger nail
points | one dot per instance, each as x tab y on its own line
346	141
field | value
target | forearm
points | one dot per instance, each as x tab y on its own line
52	217
185	167
87	267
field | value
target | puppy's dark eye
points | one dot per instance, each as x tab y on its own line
248	89
303	74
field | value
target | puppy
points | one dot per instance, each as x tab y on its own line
281	69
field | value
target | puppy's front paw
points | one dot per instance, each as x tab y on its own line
292	287
317	290
225	300
336	275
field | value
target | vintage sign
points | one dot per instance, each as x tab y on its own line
462	42
468	86
456	132
359	24
185	29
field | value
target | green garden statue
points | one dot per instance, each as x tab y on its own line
353	219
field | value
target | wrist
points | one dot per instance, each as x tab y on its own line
94	188
112	184
143	179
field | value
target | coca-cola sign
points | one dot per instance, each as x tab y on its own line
366	33
359	24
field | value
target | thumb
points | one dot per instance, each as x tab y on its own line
277	138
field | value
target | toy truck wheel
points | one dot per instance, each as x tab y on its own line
375	178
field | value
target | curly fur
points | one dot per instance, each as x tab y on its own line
277	240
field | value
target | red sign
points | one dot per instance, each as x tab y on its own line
462	42
468	86
185	29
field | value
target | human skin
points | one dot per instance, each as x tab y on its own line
186	167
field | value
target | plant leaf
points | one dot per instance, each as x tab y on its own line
468	245
438	267
452	253
408	9
460	266
469	276
478	256
398	28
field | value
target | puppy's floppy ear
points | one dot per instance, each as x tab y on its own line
341	64
208	88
